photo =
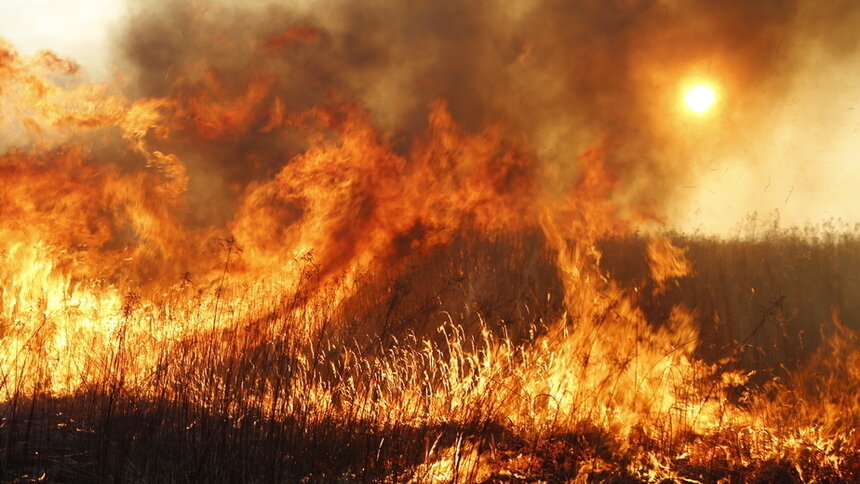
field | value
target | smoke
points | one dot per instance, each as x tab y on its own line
560	75
365	131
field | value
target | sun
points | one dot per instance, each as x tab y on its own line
700	98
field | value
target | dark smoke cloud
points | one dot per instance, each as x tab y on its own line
560	74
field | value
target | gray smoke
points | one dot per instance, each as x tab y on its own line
559	74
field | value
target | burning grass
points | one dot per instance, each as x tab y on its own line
357	307
477	390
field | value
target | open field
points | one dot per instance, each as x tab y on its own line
456	370
430	241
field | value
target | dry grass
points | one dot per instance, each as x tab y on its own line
431	374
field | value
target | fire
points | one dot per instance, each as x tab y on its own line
229	267
666	262
700	99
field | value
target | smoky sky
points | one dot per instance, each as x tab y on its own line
558	75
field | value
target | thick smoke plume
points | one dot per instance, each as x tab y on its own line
559	75
363	131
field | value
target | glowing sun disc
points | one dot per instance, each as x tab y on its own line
700	99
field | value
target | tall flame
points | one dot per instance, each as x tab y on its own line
282	287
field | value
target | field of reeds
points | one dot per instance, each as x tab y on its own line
428	242
477	362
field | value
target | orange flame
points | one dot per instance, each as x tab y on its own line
110	279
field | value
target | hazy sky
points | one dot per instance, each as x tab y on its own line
79	29
805	164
